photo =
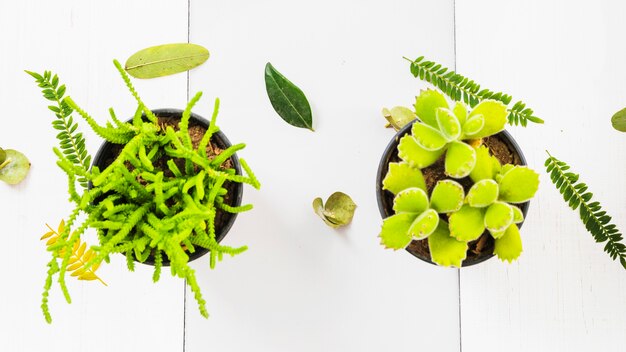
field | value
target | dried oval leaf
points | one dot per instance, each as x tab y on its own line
473	125
395	231
498	217
494	113
509	246
518	215
448	123
3	155
460	111
287	99
399	116
460	160
446	250
426	105
619	120
447	196
414	154
484	168
14	168
482	194
467	224
164	60
318	207
518	185
424	225
402	176
411	200
428	137
338	211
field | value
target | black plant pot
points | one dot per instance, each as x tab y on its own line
224	220
385	198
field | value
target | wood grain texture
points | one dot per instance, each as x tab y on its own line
78	40
303	286
565	60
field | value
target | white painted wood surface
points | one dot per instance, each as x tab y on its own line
302	286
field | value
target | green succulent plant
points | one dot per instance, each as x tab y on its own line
443	130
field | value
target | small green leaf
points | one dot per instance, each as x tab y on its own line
499	217
473	125
415	155
447	196
518	185
445	250
163	60
339	209
483	193
398	116
428	137
426	105
495	114
518	215
509	246
424	224
14	168
402	176
460	159
484	168
619	120
448	123
395	231
3	155
287	99
468	223
460	111
411	200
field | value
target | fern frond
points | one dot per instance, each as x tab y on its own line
596	220
460	88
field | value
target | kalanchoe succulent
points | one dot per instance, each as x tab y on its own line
444	130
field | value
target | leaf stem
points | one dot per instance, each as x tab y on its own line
5	163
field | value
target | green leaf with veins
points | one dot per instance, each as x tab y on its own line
447	196
473	126
468	223
402	176
518	185
448	124
619	120
414	154
518	215
424	225
485	165
338	211
164	60
445	250
14	166
495	115
460	159
426	105
483	193
429	138
395	231
411	200
398	116
509	246
287	99
460	111
499	217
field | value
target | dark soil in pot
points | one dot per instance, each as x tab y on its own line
197	128
501	145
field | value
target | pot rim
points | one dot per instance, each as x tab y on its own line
381	172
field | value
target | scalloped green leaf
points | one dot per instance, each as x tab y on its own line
473	125
447	196
495	114
468	223
167	59
448	124
424	225
414	154
426	105
483	193
14	167
399	116
498	217
460	159
395	231
509	246
484	168
428	137
446	250
460	111
518	185
338	211
402	176
518	215
411	200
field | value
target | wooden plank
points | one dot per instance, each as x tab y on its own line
566	61
302	286
77	40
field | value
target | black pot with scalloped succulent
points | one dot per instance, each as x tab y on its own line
452	185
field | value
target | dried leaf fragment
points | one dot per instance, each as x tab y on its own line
338	211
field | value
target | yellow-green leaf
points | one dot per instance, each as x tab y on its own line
338	211
446	250
402	176
167	59
460	159
424	225
468	223
14	168
447	196
509	246
411	200
398	116
518	185
411	152
395	231
426	105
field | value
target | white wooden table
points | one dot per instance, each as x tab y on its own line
302	286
